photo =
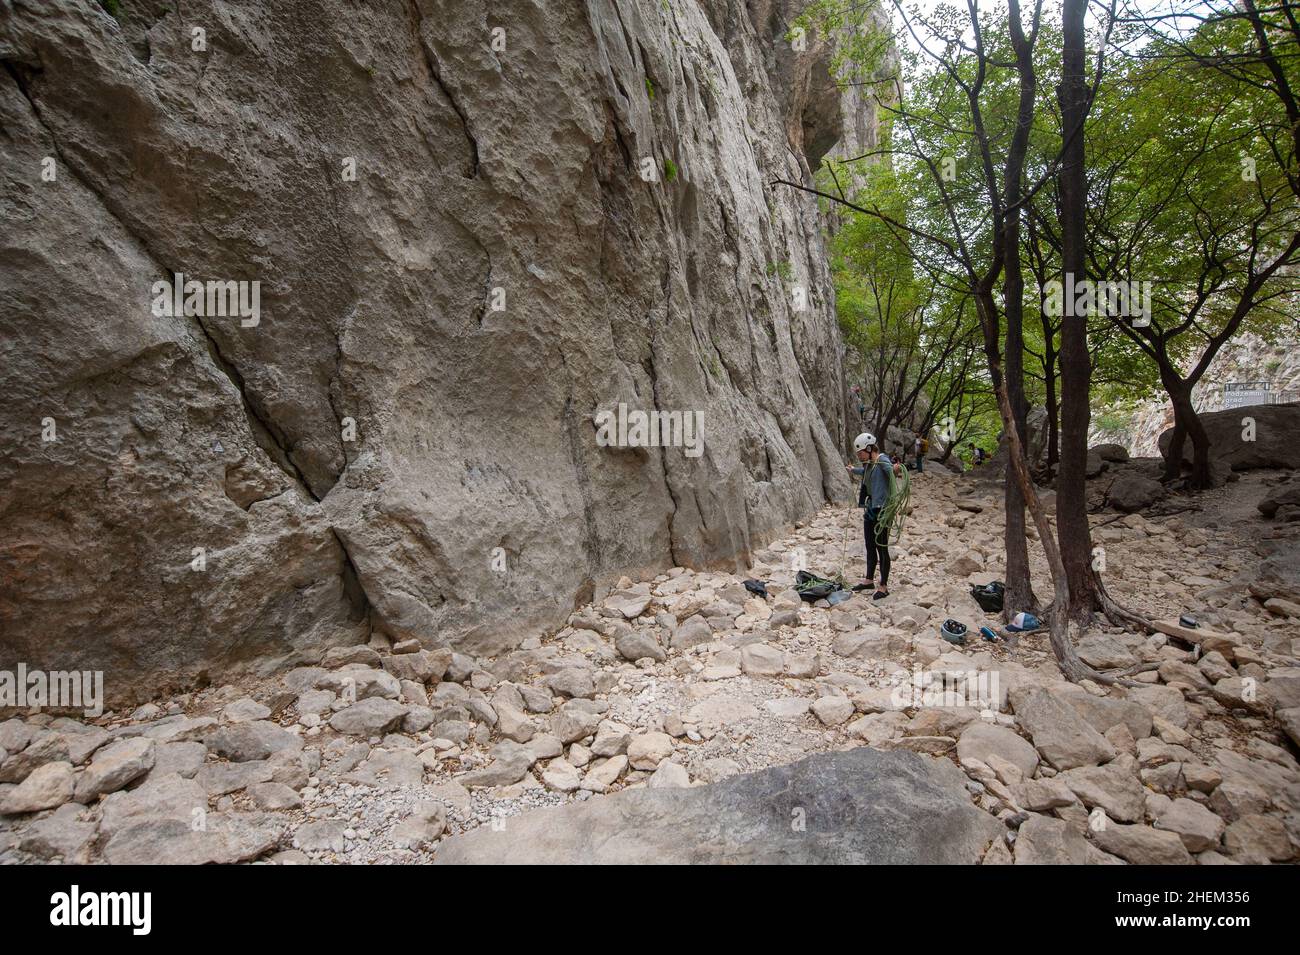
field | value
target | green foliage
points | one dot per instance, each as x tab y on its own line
783	269
864	43
1168	141
111	7
670	170
1113	421
1188	195
912	343
650	87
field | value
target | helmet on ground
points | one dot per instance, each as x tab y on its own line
954	631
864	440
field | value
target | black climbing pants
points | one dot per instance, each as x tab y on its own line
876	551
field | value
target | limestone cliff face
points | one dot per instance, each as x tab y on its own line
182	496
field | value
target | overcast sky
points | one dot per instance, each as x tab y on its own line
1096	8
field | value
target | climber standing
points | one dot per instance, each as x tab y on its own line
873	494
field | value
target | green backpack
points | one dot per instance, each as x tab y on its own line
812	588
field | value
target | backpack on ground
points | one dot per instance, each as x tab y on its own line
812	588
989	596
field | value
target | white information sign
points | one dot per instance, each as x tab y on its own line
1240	394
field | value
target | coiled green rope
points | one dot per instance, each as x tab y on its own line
889	525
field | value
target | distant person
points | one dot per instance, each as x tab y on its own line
918	452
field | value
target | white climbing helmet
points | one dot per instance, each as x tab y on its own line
864	440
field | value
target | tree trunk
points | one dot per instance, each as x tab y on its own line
1053	414
1072	527
1020	588
1200	478
1180	399
1174	452
1067	658
1187	424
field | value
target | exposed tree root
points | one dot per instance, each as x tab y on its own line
1071	664
1116	614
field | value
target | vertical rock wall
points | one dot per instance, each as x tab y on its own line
181	497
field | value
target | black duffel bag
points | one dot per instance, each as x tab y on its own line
989	596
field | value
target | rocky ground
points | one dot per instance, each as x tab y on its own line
381	752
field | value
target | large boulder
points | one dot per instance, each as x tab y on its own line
638	644
167	822
256	740
1278	575
1111	453
370	717
981	740
1134	492
116	765
1104	713
47	787
1060	734
1199	828
1142	845
1104	652
1282	502
1094	464
861	806
1112	788
1043	840
1037	434
1272	442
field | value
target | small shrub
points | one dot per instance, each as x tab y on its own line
783	269
1112	421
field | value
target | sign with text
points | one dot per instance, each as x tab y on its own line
1240	394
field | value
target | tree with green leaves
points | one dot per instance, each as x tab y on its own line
988	191
1203	203
959	147
908	336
